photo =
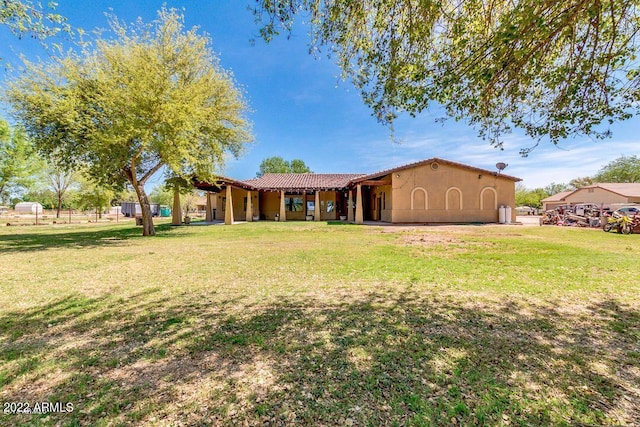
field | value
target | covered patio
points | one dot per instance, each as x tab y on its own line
282	197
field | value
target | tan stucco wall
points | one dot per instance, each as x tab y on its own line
446	188
328	196
387	202
238	196
597	196
298	215
219	215
269	204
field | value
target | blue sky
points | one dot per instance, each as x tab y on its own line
302	109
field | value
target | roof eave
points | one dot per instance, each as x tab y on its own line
431	160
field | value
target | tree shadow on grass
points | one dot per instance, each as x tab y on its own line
383	359
80	238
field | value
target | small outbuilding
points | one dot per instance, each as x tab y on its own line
603	194
28	208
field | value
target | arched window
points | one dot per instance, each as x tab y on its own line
453	199
489	199
419	199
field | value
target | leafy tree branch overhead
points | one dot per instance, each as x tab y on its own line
551	68
153	96
25	17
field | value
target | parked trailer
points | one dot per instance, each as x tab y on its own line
133	209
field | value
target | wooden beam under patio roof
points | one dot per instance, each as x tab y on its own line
374	183
219	183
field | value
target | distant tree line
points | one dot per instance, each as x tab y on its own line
277	164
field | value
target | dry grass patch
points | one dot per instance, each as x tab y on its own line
348	326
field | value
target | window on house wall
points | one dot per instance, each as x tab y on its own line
330	206
311	205
327	206
293	204
384	200
224	204
244	208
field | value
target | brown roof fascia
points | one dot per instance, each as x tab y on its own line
375	182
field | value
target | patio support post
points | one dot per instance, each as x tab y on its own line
359	210
304	205
249	213
283	213
228	208
176	214
257	209
209	214
350	206
318	211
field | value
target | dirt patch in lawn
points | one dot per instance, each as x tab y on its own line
430	240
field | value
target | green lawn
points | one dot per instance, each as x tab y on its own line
320	324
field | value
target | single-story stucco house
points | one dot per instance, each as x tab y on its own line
602	194
428	191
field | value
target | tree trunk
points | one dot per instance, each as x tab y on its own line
59	206
147	219
2	196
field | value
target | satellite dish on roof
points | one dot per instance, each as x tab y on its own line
501	166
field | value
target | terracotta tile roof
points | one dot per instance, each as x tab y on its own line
324	181
433	160
302	181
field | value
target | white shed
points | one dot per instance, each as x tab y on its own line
28	208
